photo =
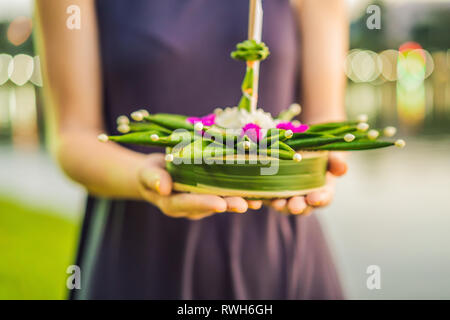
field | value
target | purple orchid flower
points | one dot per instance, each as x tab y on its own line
290	126
207	120
252	130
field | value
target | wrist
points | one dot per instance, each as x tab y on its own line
134	184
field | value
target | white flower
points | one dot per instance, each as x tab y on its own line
262	119
235	118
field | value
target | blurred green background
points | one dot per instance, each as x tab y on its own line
391	210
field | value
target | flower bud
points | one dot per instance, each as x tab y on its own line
362	126
297	157
389	131
169	157
373	134
349	137
137	116
363	118
400	143
102	137
295	109
123	128
122	120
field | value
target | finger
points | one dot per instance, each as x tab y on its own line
199	216
160	201
157	179
323	196
279	204
149	195
158	159
236	204
187	202
319	198
254	204
337	164
307	212
296	205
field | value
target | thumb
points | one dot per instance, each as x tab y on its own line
337	164
157	179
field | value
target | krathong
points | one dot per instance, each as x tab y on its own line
243	150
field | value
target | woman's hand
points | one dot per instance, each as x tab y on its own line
337	166
155	186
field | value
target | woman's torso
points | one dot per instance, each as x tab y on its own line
174	56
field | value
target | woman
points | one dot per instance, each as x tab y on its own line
173	56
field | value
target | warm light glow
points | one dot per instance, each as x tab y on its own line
348	65
411	70
5	67
36	77
389	62
19	30
22	71
362	65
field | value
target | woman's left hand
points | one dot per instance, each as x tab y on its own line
337	166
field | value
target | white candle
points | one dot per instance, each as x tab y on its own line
255	19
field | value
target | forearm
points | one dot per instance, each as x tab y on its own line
324	34
73	85
105	169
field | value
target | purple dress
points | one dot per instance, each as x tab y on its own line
174	56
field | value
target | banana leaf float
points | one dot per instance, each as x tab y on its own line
245	151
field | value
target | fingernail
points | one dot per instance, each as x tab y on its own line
298	212
219	210
157	186
317	203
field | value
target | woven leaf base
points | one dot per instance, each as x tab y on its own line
245	179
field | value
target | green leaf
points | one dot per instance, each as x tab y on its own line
308	135
250	50
145	126
298	144
355	145
339	131
330	126
170	121
140	138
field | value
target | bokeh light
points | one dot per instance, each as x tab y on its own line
22	71
411	70
389	60
411	105
348	65
366	66
19	30
411	65
5	67
36	77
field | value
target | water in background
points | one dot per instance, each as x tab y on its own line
392	210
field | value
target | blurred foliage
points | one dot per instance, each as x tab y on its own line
433	32
362	37
36	246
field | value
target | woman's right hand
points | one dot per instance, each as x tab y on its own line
155	186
